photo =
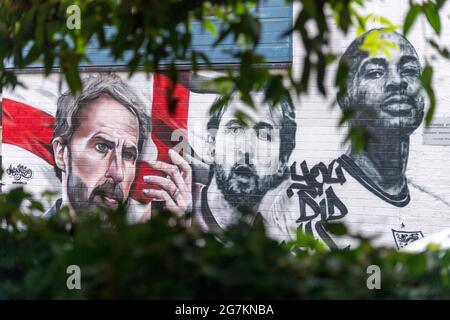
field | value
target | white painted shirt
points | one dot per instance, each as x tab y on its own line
339	192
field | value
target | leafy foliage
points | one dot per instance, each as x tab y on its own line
158	259
149	32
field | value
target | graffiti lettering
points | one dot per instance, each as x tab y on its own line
317	206
20	172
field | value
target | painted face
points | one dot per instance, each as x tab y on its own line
389	89
102	155
247	158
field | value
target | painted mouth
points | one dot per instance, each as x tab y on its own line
398	104
110	201
243	171
243	175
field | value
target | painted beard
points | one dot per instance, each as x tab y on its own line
242	188
108	195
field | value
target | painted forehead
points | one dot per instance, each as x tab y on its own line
405	49
106	112
402	42
262	113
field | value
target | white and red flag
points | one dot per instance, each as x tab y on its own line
28	116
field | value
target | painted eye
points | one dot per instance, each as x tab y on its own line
410	72
235	130
264	134
374	74
130	156
102	147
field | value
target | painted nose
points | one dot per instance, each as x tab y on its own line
245	157
248	158
115	170
396	82
249	147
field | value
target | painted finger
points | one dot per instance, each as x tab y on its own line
164	183
169	204
177	196
172	171
183	166
162	195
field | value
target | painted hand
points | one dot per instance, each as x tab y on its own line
280	213
176	188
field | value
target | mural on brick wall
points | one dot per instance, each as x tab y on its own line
97	139
387	97
368	190
119	141
248	161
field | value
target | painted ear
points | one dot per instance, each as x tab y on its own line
285	158
343	100
210	153
59	148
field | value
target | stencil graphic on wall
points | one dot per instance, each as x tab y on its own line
403	238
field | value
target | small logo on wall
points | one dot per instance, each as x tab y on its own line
20	174
403	238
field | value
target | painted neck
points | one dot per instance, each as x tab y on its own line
65	199
384	162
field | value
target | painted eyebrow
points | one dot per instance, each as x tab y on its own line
379	61
111	144
262	125
132	149
231	122
406	59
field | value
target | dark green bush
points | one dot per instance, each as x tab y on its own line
156	260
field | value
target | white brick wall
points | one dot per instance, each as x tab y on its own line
318	137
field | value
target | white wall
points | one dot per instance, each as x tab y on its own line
318	137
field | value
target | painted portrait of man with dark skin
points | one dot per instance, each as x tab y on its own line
386	95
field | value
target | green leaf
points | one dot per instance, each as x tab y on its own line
73	78
210	27
444	52
427	75
374	43
305	74
410	18
32	55
242	118
338	229
432	14
427	78
320	74
347	114
222	35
